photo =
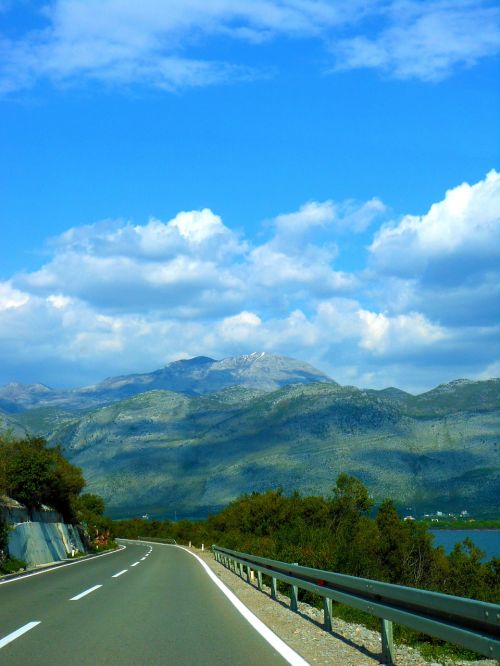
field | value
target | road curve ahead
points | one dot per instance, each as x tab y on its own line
146	604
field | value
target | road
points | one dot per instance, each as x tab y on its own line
146	604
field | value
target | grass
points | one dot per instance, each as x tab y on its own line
11	565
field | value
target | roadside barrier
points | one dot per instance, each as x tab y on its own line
169	541
465	622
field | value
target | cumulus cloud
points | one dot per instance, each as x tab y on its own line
124	43
125	266
446	262
380	332
465	224
117	297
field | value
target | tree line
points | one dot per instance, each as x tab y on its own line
340	533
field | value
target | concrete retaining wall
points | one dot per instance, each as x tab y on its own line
41	543
40	537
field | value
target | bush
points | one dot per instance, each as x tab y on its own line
11	565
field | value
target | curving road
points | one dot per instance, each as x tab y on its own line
146	604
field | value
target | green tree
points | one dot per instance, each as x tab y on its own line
35	474
350	501
467	575
90	504
352	528
393	542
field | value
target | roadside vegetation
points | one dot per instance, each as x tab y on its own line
343	534
36	474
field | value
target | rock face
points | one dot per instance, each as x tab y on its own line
195	376
162	452
40	537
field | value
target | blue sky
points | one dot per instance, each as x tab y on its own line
219	177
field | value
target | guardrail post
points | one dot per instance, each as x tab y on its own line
327	613
249	574
259	580
387	642
273	587
294	597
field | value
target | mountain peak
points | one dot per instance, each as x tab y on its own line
196	360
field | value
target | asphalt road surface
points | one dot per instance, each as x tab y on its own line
146	604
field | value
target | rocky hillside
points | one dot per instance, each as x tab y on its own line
164	452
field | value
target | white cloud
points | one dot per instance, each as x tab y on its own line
350	215
125	43
123	266
310	268
11	298
118	297
444	264
356	217
59	301
465	224
380	333
310	215
198	226
425	40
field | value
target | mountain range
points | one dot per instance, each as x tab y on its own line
195	376
187	439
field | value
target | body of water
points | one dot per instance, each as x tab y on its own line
487	540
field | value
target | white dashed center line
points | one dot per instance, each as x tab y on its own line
15	634
135	564
84	594
119	573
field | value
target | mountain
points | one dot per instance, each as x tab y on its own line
196	376
163	452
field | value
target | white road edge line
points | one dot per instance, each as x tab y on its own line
135	564
84	594
62	566
18	632
277	643
120	573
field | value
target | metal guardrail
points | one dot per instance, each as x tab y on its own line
465	622
169	541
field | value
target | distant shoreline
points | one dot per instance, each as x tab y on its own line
467	529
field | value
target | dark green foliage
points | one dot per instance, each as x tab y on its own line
335	534
89	504
35	474
89	512
11	565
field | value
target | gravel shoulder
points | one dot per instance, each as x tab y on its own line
347	644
